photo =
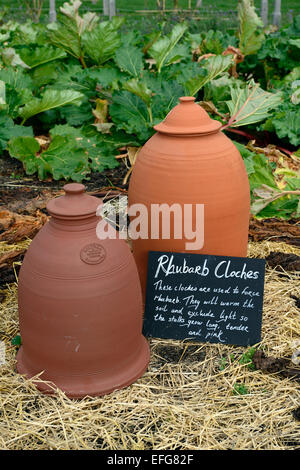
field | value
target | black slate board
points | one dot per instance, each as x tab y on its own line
206	298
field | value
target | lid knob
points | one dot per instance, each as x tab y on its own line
187	99
74	188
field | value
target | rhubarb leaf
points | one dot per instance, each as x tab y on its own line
99	151
130	113
8	130
16	78
2	95
251	104
41	55
287	124
67	37
25	150
50	100
258	168
250	28
140	89
162	51
11	57
101	43
130	60
212	68
63	159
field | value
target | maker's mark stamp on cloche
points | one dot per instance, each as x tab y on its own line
93	253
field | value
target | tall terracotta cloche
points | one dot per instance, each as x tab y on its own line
80	304
190	161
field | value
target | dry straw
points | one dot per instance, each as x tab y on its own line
186	400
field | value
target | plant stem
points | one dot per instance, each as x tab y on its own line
252	137
82	61
288	152
237	131
150	114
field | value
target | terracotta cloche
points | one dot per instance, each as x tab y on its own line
189	160
80	304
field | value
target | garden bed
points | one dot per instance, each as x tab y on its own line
193	396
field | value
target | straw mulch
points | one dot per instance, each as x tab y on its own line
195	396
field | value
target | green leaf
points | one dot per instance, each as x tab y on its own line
209	42
296	214
50	100
25	150
27	34
251	104
101	155
16	341
165	98
114	140
180	51
284	208
218	91
16	98
140	89
66	130
262	173
41	55
11	57
295	97
8	130
63	159
250	28
45	74
106	77
99	151
16	78
240	389
287	125
212	68
162	51
247	157
293	184
247	358
77	115
189	76
71	77
2	95
4	37
101	43
293	75
266	195
130	60
130	113
295	42
67	37
258	168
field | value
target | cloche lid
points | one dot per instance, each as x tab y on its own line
74	204
188	118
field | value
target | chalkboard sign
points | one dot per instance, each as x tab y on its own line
204	298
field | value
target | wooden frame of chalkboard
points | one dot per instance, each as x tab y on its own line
205	298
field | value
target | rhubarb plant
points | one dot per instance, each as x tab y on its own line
79	92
